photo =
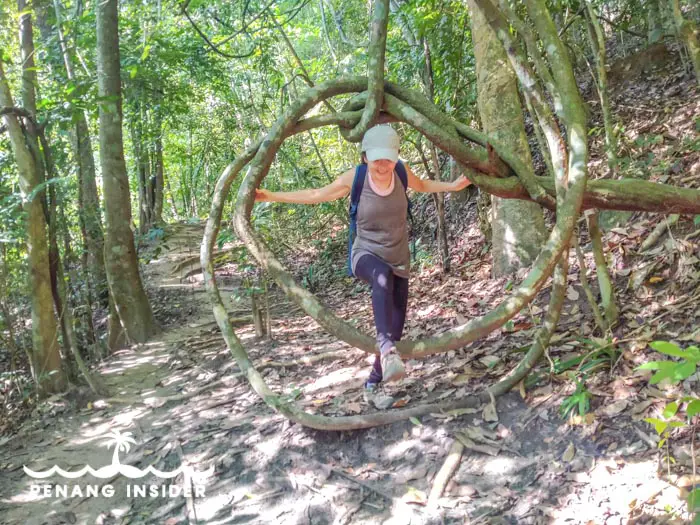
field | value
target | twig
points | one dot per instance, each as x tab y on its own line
446	471
348	514
618	26
189	494
362	484
694	503
209	43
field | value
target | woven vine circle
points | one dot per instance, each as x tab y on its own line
407	106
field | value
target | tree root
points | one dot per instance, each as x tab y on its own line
607	290
599	321
452	339
569	200
292	412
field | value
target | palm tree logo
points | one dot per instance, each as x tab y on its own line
122	443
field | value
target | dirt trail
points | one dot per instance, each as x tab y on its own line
182	401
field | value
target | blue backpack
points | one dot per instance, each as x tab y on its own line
357	184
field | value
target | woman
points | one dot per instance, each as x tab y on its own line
380	253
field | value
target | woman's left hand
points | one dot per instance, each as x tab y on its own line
460	183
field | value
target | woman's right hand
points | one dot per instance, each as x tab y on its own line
263	195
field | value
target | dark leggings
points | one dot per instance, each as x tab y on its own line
389	302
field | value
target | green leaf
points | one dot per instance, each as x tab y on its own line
659	425
146	52
684	371
694	353
668	348
415	421
667	370
693	408
694	502
696	220
670	410
651	365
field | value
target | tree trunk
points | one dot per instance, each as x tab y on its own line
655	23
439	197
121	263
90	207
517	227
158	190
141	165
690	34
92	256
597	41
173	204
50	204
46	358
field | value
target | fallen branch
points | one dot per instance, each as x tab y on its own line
657	232
446	471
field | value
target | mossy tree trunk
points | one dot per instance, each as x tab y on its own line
46	361
121	262
690	35
517	227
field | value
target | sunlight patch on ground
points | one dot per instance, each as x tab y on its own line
626	487
500	465
212	506
333	379
270	447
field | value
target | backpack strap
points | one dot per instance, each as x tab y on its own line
357	184
403	174
403	177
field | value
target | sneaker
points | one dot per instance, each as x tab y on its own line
392	366
374	395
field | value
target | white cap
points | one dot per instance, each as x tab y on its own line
381	142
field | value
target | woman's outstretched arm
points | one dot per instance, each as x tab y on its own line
337	189
435	186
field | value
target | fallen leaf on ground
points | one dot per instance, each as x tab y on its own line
489	413
415	496
477	447
614	409
588	419
569	453
461	379
489	361
462	411
401	402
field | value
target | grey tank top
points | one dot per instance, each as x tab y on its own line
382	228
